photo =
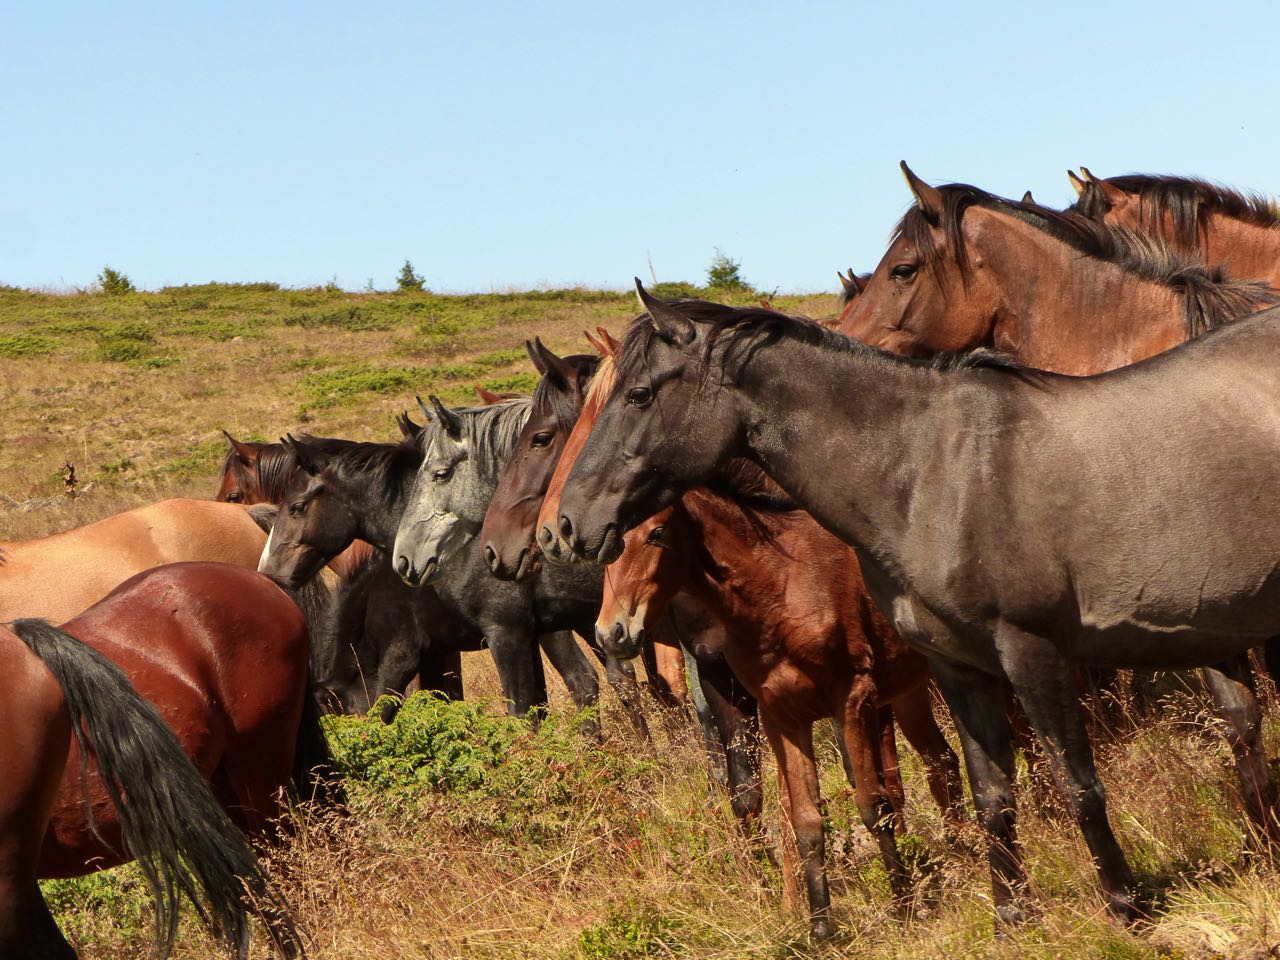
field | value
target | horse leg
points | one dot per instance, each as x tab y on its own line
863	723
1043	682
734	713
717	762
519	665
440	671
1235	700
914	712
890	769
798	771
977	703
580	679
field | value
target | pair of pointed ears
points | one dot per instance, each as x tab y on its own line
1110	192
550	364
852	284
672	325
306	456
246	453
408	429
604	342
441	414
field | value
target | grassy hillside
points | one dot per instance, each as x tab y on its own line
474	837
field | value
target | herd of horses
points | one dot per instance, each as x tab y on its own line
953	486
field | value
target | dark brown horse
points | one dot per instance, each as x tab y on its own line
1238	231
212	653
375	634
805	639
1064	293
1012	522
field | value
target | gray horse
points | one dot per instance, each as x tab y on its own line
1010	522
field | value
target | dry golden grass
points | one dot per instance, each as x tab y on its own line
641	865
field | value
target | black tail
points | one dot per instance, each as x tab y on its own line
171	822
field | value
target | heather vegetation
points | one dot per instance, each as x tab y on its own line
472	835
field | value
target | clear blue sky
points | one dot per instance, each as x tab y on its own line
515	145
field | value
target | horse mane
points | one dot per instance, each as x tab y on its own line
380	464
1186	201
1209	299
490	432
563	407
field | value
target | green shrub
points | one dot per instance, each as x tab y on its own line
345	318
14	345
130	341
725	273
407	280
328	387
114	283
677	290
630	936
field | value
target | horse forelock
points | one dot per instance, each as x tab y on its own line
562	405
489	433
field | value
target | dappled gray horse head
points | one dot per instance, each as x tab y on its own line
464	452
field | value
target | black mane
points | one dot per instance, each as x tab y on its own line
379	465
1209	299
1186	201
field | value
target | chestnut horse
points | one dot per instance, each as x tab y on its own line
807	642
1057	291
1240	232
1012	522
725	711
221	653
56	577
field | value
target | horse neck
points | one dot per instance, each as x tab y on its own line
857	415
378	511
1247	251
1090	316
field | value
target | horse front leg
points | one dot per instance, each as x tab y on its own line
519	665
798	785
1235	700
977	703
1043	682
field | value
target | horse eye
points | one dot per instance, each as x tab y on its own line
639	396
655	537
903	271
298	509
235	497
542	439
440	476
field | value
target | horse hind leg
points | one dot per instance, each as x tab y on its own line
914	712
1231	686
864	724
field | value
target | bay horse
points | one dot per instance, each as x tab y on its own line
186	673
1012	522
371	612
347	490
1060	292
726	713
806	641
1238	231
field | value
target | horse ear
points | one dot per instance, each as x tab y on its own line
610	341
1028	198
928	198
555	367
487	397
307	457
848	284
1076	183
670	323
538	363
426	411
1115	196
408	429
596	344
451	422
859	281
246	454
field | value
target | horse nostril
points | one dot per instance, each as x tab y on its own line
618	632
490	557
402	566
546	537
566	527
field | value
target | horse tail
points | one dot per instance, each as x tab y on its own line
171	822
316	777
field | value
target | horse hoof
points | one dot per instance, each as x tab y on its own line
1010	915
821	930
1128	908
